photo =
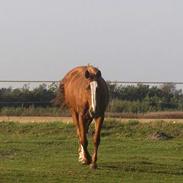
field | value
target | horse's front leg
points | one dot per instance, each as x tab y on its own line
84	156
75	117
96	140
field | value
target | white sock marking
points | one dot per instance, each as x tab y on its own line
81	154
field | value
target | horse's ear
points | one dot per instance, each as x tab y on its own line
98	75
87	74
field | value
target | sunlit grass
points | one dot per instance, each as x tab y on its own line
48	153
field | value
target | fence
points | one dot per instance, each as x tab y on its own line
113	82
126	96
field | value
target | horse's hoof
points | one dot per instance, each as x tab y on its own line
84	162
93	166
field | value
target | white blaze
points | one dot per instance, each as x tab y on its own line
93	86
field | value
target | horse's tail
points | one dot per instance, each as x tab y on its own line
59	100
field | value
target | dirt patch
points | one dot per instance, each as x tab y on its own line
149	115
160	136
46	119
34	119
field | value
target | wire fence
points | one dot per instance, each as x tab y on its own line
11	101
109	81
35	83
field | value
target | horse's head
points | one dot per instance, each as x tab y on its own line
93	76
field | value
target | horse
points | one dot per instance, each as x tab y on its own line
86	94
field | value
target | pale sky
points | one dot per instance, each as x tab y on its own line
129	40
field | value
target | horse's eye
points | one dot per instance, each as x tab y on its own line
87	74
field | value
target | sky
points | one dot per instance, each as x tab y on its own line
127	40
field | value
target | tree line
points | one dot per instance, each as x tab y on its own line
40	96
130	98
143	98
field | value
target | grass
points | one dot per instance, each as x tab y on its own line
33	111
47	152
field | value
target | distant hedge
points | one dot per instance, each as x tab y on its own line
143	98
132	98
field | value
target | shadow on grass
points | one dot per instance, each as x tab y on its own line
143	167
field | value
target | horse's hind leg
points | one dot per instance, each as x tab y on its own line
96	140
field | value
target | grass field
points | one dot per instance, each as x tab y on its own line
47	152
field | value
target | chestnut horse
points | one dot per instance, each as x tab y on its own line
86	94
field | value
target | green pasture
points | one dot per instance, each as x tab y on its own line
129	152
